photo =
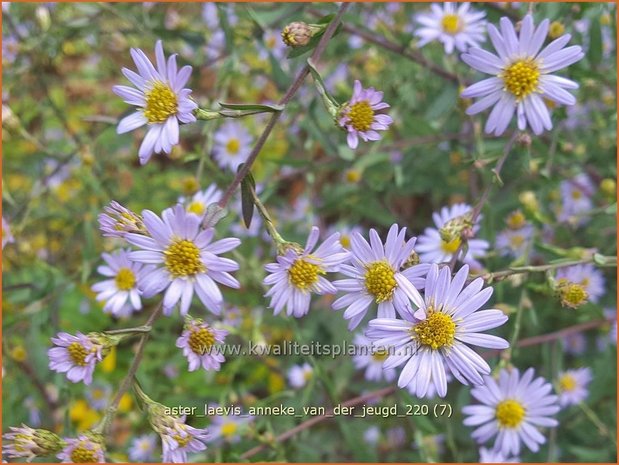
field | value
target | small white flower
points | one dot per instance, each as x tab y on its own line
232	145
299	375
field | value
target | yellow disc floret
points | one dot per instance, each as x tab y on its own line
380	281
82	454
451	246
233	146
196	207
567	383
361	115
438	330
521	78
451	24
229	429
509	413
182	258
201	340
125	279
78	353
380	355
304	274
161	103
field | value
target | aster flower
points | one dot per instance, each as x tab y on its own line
571	386
579	283
186	260
299	375
298	274
86	448
142	448
576	203
232	145
228	428
371	360
575	344
513	408
491	456
363	115
522	76
199	202
435	338
371	435
120	291
197	342
437	245
376	275
179	438
75	355
98	396
515	242
7	237
116	221
455	26
163	102
345	233
28	443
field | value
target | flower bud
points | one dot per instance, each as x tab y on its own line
571	294
529	201
297	34
608	187
30	443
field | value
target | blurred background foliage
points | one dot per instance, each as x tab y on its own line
63	161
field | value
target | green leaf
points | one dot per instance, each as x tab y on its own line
595	46
248	186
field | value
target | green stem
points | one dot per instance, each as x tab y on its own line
591	415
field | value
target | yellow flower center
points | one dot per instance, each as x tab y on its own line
183	440
521	78
516	220
161	103
452	246
509	413
576	194
567	383
303	274
556	30
182	258
201	340
451	24
345	241
380	281
233	146
361	115
380	355
196	207
125	279
572	294
82	454
307	375
229	429
436	331
78	353
97	394
516	241
353	176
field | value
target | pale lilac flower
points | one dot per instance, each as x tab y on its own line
117	220
576	203
200	201
363	115
7	237
272	44
492	456
75	355
513	409
575	344
178	439
98	396
588	276
28	443
233	144
571	386
298	274
299	375
82	449
120	291
522	76
371	360
376	275
396	437
228	428
142	448
371	435
346	233
433	248
187	260
515	242
455	26
163	102
435	338
198	343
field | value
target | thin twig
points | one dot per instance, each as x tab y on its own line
292	90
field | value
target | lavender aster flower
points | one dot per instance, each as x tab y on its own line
162	101
120	291
116	221
299	273
512	410
522	76
515	242
142	448
435	338
587	276
362	115
571	386
179	438
28	443
197	342
576	203
75	355
186	260
575	344
232	145
376	276
455	26
228	428
201	200
371	360
85	448
491	456
299	375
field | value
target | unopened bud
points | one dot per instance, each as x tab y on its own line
608	187
556	30
524	139
297	34
30	443
529	201
412	260
571	294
